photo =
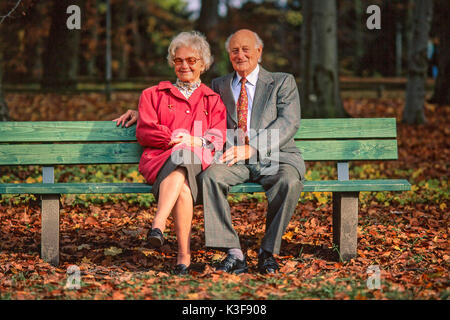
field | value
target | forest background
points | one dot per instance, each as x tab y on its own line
50	73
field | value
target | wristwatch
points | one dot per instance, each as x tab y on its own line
204	144
207	144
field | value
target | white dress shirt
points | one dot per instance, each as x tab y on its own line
250	87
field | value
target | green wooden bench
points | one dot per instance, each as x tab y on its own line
101	142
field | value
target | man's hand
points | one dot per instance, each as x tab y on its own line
237	153
131	116
186	139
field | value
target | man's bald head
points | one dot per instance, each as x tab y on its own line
245	50
258	41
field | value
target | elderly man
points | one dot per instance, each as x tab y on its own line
265	106
263	115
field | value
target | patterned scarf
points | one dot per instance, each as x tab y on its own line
187	88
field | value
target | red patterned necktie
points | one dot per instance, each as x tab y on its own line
242	110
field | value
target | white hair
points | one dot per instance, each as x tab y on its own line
259	42
193	40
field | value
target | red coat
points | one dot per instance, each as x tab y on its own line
164	112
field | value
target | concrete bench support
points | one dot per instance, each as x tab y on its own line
345	223
49	221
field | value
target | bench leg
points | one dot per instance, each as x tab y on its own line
50	228
345	223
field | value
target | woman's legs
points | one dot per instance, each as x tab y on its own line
183	212
175	195
169	191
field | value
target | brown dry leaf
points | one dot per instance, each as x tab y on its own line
112	251
117	295
91	221
193	296
288	235
289	267
147	252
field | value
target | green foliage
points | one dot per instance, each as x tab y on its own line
294	18
82	174
423	191
172	5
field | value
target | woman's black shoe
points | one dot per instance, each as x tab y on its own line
155	238
180	270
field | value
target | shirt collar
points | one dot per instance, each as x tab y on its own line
251	78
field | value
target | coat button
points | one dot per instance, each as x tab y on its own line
187	111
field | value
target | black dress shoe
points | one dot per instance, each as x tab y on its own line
155	238
180	270
267	263
232	265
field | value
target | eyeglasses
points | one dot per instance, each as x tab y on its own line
190	61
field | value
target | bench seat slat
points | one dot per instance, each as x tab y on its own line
74	188
337	186
101	188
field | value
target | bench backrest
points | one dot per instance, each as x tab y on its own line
101	142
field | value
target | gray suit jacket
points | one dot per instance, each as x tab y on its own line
275	117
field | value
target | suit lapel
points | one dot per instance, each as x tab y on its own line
264	87
227	96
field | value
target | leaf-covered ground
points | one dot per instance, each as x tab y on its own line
405	234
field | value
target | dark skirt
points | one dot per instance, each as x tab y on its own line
181	158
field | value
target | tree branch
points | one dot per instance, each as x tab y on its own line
10	12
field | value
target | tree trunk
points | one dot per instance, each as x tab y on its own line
441	94
209	16
120	27
91	32
207	24
4	113
418	63
359	35
61	56
138	50
320	78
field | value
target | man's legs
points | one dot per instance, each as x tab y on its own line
214	183
283	190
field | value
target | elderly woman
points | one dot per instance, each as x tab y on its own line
180	125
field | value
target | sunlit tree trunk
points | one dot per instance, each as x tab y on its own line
320	78
418	63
